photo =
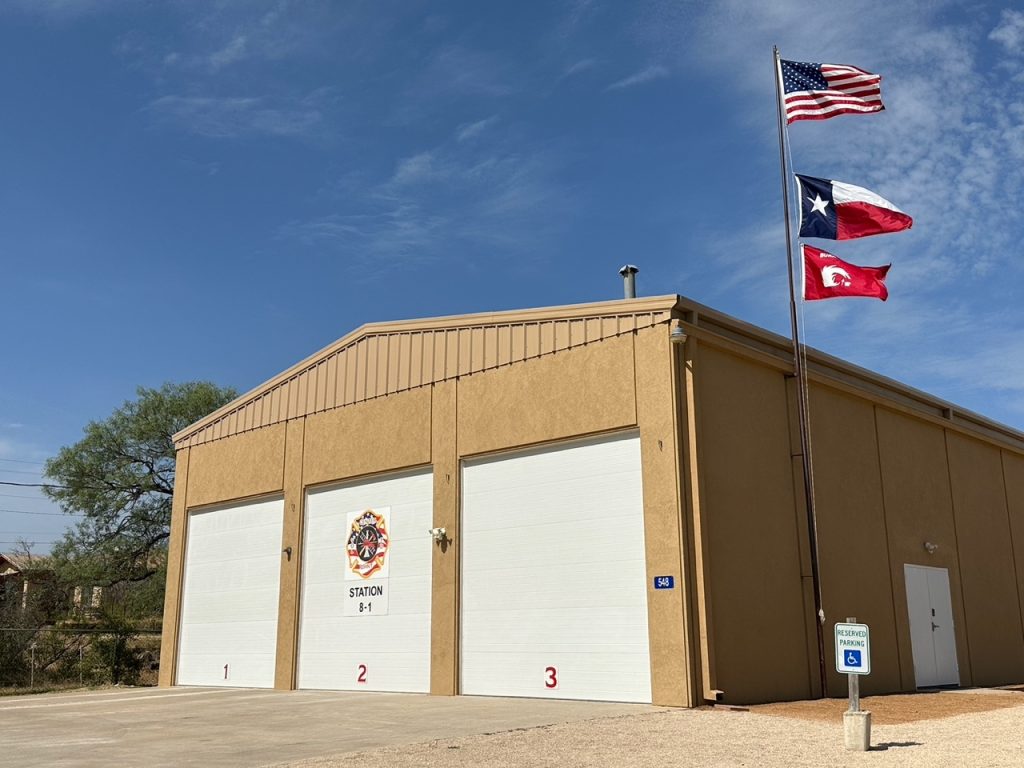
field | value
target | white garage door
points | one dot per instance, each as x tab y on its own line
554	597
365	614
229	596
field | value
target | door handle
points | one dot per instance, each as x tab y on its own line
934	626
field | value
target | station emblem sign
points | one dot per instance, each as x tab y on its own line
368	544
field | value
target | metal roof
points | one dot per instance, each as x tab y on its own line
384	358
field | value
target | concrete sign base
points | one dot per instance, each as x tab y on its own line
857	731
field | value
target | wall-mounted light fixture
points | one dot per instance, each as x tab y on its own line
930	548
677	335
438	534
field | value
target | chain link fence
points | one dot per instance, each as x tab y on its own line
48	658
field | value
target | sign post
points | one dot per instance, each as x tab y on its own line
853	658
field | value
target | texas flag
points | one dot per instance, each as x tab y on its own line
826	276
835	210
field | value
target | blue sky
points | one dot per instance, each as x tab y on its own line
216	189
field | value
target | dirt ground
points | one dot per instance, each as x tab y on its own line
974	728
897	709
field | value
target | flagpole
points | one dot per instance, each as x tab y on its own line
801	387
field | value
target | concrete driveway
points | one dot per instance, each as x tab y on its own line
243	727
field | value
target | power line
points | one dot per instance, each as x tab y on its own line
19	471
76	631
16	496
45	485
27	512
34	541
23	461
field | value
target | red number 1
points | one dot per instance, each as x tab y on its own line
362	674
550	677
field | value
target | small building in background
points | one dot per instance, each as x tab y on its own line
21	575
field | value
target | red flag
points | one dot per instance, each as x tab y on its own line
826	276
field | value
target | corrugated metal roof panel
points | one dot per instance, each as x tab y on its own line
385	358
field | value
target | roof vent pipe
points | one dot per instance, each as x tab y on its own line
628	273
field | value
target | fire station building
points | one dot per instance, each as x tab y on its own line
602	501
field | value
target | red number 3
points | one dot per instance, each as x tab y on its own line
550	677
362	674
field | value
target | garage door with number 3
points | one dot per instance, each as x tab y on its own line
554	598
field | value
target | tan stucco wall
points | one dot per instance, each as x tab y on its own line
853	550
249	464
919	508
578	392
697	549
886	481
750	515
367	438
672	660
994	633
175	565
444	604
291	537
1013	475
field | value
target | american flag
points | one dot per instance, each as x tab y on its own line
821	91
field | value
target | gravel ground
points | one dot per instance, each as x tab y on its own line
918	730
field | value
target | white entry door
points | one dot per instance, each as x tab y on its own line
932	638
364	622
230	595
554	578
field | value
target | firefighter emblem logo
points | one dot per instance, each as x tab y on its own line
367	544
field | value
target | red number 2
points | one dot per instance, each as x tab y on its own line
362	674
550	677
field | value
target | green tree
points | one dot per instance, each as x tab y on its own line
120	477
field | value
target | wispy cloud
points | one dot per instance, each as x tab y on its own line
62	9
580	66
204	167
576	17
451	74
470	130
402	234
740	269
20	450
646	75
227	117
415	170
234	51
1010	32
451	197
207	38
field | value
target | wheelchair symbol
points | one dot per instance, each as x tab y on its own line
853	659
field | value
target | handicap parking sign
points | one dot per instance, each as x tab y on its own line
853	649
